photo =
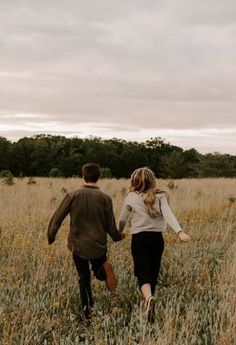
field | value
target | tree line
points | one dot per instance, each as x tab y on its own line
49	155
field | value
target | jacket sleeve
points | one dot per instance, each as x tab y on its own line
168	214
58	217
111	223
124	216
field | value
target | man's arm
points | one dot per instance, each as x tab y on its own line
58	217
111	223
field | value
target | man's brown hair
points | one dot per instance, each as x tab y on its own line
91	172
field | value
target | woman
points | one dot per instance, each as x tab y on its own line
150	212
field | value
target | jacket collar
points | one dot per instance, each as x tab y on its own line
90	187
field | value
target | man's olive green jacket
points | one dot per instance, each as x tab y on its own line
91	219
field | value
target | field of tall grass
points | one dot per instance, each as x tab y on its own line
196	295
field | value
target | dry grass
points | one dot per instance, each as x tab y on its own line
39	300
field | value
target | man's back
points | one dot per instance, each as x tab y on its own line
89	223
91	218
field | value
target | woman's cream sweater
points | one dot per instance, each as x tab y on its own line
141	220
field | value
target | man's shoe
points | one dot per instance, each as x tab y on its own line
150	309
111	281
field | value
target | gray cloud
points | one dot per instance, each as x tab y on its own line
147	65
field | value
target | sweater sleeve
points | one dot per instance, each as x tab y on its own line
124	215
168	214
111	223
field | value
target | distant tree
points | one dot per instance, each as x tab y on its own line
7	177
133	157
172	165
158	151
5	173
106	173
191	163
216	165
38	155
21	157
54	172
5	153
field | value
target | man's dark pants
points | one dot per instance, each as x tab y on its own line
83	269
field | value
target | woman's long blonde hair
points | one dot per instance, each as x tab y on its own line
143	180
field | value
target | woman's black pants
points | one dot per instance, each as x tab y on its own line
82	267
147	248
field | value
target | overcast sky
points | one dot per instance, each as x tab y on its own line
130	69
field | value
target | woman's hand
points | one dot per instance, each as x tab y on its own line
183	236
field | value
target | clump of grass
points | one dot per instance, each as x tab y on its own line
64	190
55	172
53	200
232	199
172	186
31	181
7	177
123	191
198	194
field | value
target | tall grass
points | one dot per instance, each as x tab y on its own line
39	297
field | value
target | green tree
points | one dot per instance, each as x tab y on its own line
217	165
106	173
5	153
54	172
37	155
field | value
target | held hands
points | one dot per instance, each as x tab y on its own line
120	237
123	236
183	236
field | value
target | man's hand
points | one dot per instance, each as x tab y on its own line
183	236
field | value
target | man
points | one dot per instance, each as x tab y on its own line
91	218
